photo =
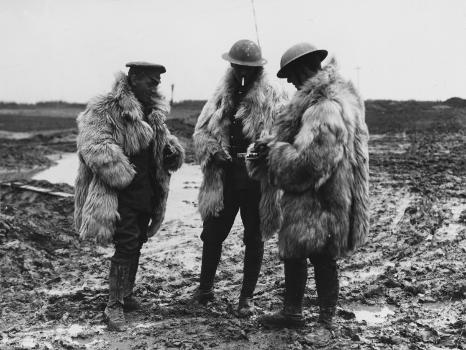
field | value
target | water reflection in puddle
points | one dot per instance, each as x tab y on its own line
63	172
184	184
70	335
372	314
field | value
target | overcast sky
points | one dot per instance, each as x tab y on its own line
70	50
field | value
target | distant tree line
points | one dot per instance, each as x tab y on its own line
42	104
192	104
198	104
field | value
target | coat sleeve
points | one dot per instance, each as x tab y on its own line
101	153
278	98
258	168
176	154
316	151
205	143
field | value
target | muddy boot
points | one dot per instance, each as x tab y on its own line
252	266
119	273
323	334
202	297
210	259
327	285
291	316
130	302
245	307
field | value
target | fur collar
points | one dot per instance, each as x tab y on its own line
322	80
131	107
121	109
256	108
326	84
322	85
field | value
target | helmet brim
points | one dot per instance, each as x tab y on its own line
321	53
226	56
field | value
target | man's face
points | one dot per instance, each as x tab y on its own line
144	84
243	74
298	73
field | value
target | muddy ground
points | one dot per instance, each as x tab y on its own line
405	289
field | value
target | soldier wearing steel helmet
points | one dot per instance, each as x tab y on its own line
241	108
126	156
318	156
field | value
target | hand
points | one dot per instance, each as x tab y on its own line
221	157
167	150
259	150
168	153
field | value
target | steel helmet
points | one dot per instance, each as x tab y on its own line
245	53
297	51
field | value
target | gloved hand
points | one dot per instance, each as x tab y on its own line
169	154
259	150
221	158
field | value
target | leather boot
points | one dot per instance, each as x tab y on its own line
252	266
291	316
327	285
210	258
323	333
119	273
130	301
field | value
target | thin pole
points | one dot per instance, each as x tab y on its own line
171	100
357	75
255	22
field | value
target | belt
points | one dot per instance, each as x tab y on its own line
237	152
241	155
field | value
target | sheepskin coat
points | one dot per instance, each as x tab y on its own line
257	110
112	128
318	156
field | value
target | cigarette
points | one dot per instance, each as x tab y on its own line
242	81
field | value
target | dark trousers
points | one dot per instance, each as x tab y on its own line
216	229
326	279
130	233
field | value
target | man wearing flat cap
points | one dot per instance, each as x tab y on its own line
242	107
126	155
318	156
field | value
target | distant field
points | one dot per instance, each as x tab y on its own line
384	116
27	119
15	122
381	116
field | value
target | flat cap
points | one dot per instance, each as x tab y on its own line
146	65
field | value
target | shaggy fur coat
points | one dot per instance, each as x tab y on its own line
111	129
318	156
257	110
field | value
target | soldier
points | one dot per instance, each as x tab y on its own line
318	156
243	105
126	155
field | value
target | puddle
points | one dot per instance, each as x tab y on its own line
388	143
63	172
372	314
184	184
72	335
15	135
178	248
184	188
453	227
389	136
369	272
402	205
